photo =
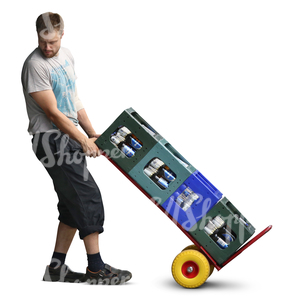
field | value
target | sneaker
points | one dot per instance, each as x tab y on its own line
107	276
63	274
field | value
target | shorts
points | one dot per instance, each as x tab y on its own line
79	199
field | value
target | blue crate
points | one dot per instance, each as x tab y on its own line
207	194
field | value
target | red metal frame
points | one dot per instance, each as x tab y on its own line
248	244
218	267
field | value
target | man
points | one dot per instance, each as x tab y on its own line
54	112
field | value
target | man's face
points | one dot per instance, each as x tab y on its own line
50	43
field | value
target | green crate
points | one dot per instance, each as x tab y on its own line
165	152
139	127
227	211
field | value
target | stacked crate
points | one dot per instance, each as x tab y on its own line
190	199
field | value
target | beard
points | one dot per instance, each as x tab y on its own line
49	54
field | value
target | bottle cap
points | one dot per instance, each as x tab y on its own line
115	139
156	163
218	221
124	131
210	225
149	171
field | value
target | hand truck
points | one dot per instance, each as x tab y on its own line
218	230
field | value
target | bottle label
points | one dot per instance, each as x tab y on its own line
221	243
163	183
135	144
129	152
168	175
228	238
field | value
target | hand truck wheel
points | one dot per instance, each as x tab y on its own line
190	268
194	247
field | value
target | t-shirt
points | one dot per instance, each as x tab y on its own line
57	73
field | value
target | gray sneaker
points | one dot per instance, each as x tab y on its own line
107	276
63	274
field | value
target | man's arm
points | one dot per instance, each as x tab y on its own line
83	118
86	124
47	101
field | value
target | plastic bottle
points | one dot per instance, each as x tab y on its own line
163	170
160	182
135	142
159	173
223	231
211	229
116	139
156	163
186	198
222	244
119	140
152	173
124	131
130	139
242	220
128	151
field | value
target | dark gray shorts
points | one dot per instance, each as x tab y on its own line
80	203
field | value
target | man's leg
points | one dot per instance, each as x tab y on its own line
95	262
97	270
57	270
64	238
91	243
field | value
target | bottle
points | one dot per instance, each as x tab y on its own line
242	220
159	173
163	170
160	182
190	199
128	151
130	139
152	173
135	142
211	229
186	198
119	141
167	173
222	244
124	131
223	231
179	200
156	163
116	140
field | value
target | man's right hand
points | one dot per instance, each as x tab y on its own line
90	148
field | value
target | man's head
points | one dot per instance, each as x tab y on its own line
50	29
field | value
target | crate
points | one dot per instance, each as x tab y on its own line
140	128
227	211
204	198
165	152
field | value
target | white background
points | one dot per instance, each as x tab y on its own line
220	81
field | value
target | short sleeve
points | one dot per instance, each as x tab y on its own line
36	77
